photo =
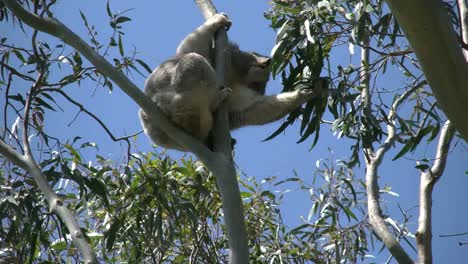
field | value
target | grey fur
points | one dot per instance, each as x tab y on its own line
184	87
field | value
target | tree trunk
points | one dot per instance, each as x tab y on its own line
430	33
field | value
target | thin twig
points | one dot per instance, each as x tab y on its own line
454	235
97	119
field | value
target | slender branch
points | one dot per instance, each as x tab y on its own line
8	152
388	54
392	136
453	235
14	71
428	181
5	107
463	12
227	181
373	160
93	116
55	203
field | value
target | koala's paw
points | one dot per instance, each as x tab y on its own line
321	85
320	88
307	93
220	20
224	93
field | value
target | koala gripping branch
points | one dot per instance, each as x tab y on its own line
227	177
220	163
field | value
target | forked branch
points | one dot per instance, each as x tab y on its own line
428	180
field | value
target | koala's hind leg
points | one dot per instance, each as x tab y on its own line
194	83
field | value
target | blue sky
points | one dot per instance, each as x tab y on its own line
156	29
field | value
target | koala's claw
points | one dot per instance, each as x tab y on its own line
225	93
320	88
221	20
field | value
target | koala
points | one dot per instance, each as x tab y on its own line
184	88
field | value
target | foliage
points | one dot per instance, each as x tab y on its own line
155	210
148	208
311	32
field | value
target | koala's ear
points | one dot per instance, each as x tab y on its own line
264	61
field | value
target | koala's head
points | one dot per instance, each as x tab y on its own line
251	68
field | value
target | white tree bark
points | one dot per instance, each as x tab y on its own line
374	159
428	180
429	31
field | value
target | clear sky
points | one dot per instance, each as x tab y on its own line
155	31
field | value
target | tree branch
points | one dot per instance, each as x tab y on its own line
373	160
429	31
227	182
428	181
93	116
463	12
55	203
391	125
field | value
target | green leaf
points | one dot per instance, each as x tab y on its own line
268	194
98	187
350	186
245	195
73	152
59	245
111	233
39	101
293	179
109	13
17	97
278	131
84	18
122	19
403	151
144	65
422	167
121	50
19	55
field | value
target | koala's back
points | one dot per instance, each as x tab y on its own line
184	88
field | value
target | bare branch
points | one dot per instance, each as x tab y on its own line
93	116
453	235
8	152
372	164
446	137
428	181
463	12
392	136
55	203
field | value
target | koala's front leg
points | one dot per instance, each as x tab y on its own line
266	109
217	21
200	40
